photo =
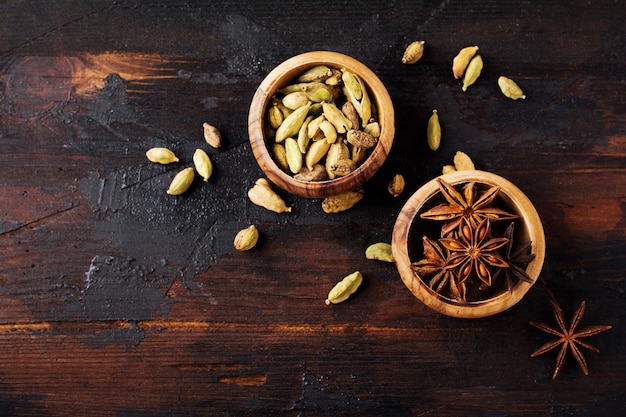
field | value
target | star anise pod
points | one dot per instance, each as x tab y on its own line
473	250
568	337
435	264
467	204
518	260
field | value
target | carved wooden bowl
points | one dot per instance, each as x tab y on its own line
284	74
407	245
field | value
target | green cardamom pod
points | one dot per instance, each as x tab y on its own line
181	182
413	52
295	100
247	238
510	88
341	202
433	131
291	124
336	117
203	164
316	73
262	195
473	71
212	135
361	139
161	156
344	288
294	156
460	62
380	251
396	185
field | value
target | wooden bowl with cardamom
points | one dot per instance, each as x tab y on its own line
285	74
408	245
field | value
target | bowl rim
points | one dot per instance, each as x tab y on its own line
276	79
529	219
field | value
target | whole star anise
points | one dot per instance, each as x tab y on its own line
436	265
518	260
473	250
468	205
568	337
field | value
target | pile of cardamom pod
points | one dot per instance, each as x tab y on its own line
322	125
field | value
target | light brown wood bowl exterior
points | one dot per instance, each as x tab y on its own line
284	74
529	228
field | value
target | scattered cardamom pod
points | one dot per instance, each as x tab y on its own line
461	61
341	202
181	182
212	136
344	288
291	124
262	195
447	169
413	52
203	164
247	238
361	139
396	185
473	71
433	131
380	251
161	156
316	173
462	162
510	88
294	156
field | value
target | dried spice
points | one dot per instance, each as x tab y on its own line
467	253
203	164
344	288
380	251
568	337
510	88
433	131
262	195
466	204
212	135
462	59
473	72
413	52
181	182
473	250
322	105
396	185
517	259
246	238
161	156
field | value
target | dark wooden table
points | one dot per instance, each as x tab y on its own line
120	300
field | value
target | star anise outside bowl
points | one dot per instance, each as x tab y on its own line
409	244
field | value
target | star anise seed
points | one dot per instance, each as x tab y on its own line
568	338
474	251
466	205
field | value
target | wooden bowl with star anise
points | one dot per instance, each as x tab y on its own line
469	244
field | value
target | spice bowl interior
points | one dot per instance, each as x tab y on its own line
286	73
479	300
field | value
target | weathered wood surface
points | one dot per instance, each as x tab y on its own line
119	300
